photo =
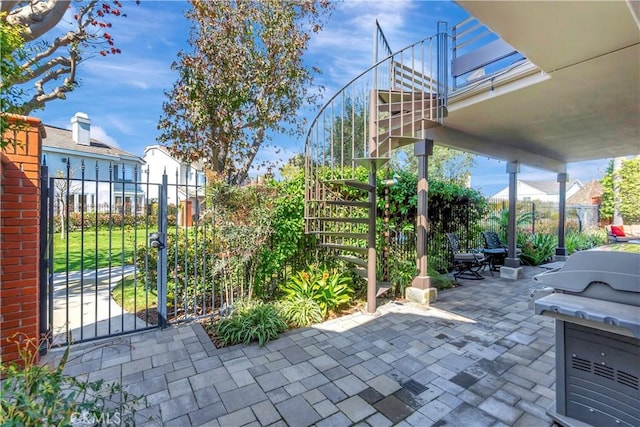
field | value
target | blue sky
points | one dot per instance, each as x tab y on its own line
123	94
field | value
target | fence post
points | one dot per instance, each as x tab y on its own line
43	278
533	217
162	252
19	233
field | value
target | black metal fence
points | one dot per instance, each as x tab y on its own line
113	269
531	217
542	217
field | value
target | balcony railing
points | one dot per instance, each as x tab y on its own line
479	54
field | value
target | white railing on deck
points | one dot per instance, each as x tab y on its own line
478	54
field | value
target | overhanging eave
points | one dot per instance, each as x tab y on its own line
458	140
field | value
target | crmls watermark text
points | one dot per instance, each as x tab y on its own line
91	419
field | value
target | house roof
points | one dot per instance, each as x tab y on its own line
199	165
584	196
547	187
62	139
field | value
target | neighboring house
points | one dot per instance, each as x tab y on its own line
186	182
589	194
585	204
110	174
544	191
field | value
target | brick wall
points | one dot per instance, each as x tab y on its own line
19	234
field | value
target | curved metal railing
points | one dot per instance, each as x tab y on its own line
388	105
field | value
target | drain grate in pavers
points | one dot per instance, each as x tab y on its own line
414	387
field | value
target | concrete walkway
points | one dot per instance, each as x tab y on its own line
478	357
83	307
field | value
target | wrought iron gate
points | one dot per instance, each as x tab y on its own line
95	226
122	254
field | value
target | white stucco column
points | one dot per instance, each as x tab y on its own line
512	268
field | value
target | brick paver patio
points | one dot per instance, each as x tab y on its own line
478	357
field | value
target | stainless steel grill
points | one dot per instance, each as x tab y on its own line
596	305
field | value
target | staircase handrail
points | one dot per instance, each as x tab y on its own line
365	72
385	44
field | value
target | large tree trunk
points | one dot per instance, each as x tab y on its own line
37	17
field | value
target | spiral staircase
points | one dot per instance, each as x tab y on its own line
386	107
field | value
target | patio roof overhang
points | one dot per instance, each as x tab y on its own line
577	97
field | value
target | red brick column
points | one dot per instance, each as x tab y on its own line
19	233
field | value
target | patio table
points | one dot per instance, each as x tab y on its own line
495	256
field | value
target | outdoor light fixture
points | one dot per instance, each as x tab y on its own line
391	182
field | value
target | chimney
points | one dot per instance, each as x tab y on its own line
81	129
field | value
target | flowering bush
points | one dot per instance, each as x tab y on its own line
328	288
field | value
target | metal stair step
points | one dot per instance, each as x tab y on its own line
387	145
353	260
362	272
407	119
351	203
408	129
340	219
397	95
352	183
404	106
339	234
382	288
368	161
340	247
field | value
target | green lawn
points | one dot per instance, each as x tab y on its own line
83	254
135	298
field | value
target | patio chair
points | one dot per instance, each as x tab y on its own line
495	250
467	265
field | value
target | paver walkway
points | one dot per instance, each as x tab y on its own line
478	357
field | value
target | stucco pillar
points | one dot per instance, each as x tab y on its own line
512	268
421	290
561	250
513	168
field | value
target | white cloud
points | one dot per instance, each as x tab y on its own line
101	135
137	72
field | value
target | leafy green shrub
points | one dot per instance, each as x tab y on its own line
536	247
34	395
438	280
88	221
253	321
286	250
582	241
328	288
300	311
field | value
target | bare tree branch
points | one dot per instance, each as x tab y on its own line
37	17
47	62
40	98
37	72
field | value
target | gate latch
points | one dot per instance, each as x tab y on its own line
156	240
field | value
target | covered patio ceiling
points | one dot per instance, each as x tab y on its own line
577	99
